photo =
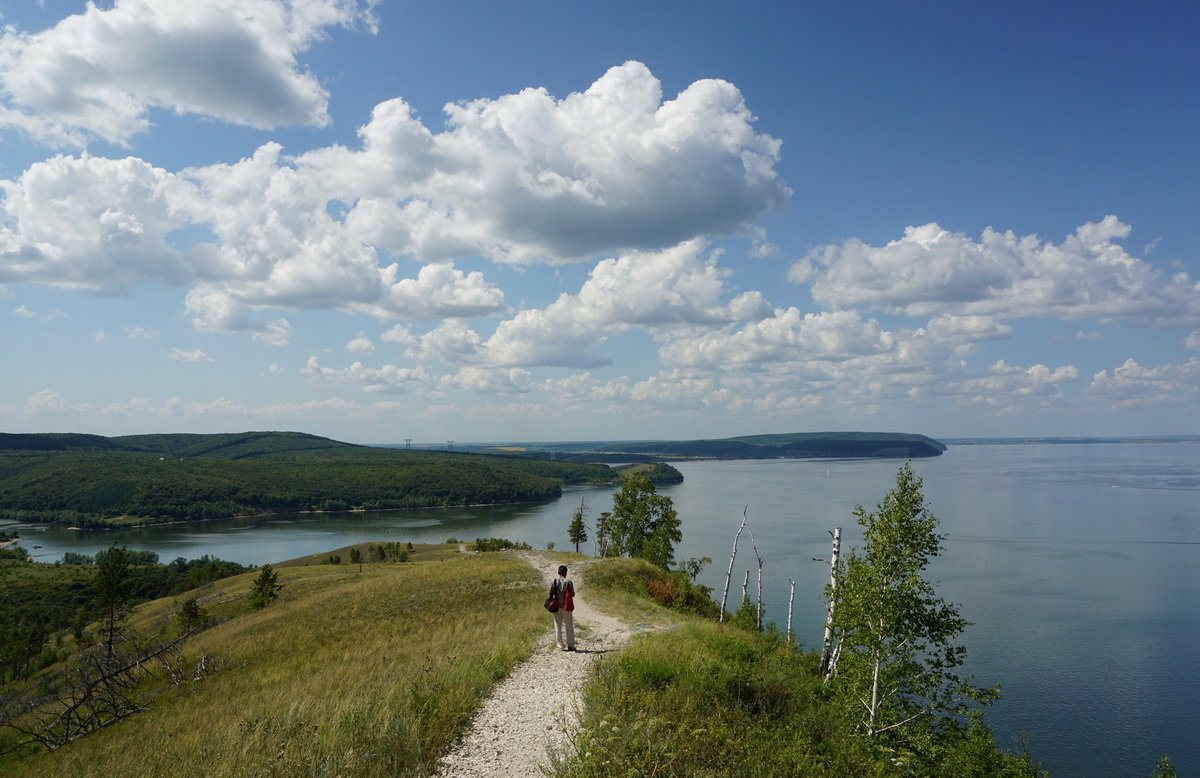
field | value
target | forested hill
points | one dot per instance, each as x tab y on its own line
800	445
235	445
90	480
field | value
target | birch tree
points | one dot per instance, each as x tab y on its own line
644	523
896	639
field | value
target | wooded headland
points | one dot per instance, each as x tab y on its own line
791	445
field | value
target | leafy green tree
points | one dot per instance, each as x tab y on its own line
693	566
644	522
896	641
577	530
265	589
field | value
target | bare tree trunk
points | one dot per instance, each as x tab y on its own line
791	601
746	587
828	659
729	572
759	609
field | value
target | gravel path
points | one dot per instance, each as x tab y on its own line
538	705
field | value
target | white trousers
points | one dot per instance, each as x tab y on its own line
564	621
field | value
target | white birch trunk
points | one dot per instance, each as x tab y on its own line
729	572
874	697
759	608
791	601
828	659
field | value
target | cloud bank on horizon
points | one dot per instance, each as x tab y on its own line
615	262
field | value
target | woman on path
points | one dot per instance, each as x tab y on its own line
563	590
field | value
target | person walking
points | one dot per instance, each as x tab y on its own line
563	590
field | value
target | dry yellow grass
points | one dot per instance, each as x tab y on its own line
348	673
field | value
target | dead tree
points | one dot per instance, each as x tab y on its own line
758	612
101	688
729	572
791	601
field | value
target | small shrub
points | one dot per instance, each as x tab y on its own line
499	544
663	591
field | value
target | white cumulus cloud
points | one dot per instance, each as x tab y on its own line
1133	385
96	74
932	270
520	177
360	344
527	177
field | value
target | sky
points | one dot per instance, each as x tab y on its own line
531	220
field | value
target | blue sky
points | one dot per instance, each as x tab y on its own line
536	221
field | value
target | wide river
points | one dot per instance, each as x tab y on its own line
1078	564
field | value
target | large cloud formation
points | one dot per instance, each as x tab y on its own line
96	74
522	177
528	177
932	270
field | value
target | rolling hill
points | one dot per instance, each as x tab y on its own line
91	480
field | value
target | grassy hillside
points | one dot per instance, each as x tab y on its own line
373	673
348	673
89	480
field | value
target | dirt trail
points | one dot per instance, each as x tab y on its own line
538	704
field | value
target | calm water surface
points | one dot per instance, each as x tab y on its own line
1079	564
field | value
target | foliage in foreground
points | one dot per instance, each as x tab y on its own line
713	700
631	580
347	673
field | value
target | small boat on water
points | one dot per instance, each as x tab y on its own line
37	545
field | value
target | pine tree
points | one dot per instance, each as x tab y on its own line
191	615
112	591
577	531
265	589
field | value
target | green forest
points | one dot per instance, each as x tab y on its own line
92	481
